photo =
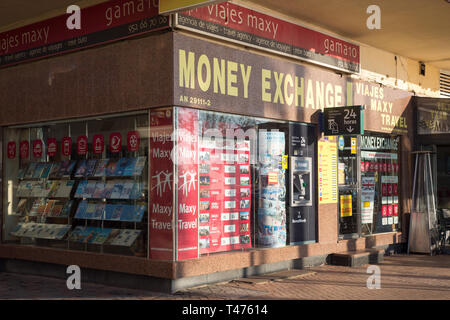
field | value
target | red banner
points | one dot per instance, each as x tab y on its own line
115	142
237	23
37	148
161	185
12	149
66	146
24	149
52	146
107	21
82	145
187	178
98	143
133	141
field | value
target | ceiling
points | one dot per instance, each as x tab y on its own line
418	29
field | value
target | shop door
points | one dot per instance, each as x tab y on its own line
348	185
442	174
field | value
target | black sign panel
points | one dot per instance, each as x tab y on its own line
343	121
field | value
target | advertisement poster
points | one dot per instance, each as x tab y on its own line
11	150
272	207
161	217
82	145
187	185
327	151
225	190
225	197
98	143
52	146
66	148
37	148
346	205
367	199
24	149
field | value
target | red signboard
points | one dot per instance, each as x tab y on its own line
115	142
161	186
187	182
395	209
390	210
98	143
384	210
247	26
52	146
133	141
12	149
37	148
66	146
82	145
24	149
104	22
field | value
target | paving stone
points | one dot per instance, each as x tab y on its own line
403	277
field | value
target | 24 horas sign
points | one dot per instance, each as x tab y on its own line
212	76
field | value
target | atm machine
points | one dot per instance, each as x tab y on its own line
301	184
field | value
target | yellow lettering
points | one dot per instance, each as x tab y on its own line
329	100
319	95
203	84
232	78
266	75
246	78
309	95
186	70
219	75
288	81
300	91
278	82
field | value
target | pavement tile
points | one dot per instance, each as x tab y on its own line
403	277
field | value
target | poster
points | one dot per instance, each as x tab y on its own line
367	199
161	216
327	151
346	205
272	207
225	195
187	192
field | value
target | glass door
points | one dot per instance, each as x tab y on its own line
348	186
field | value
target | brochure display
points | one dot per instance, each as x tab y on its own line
225	195
54	196
109	190
272	189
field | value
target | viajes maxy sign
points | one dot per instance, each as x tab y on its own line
239	24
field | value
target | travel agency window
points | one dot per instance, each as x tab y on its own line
78	184
368	184
252	180
380	192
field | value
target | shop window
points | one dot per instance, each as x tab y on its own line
232	172
368	181
380	192
78	185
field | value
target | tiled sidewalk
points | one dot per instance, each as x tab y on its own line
403	277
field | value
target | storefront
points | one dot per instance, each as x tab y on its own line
200	162
368	184
433	134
